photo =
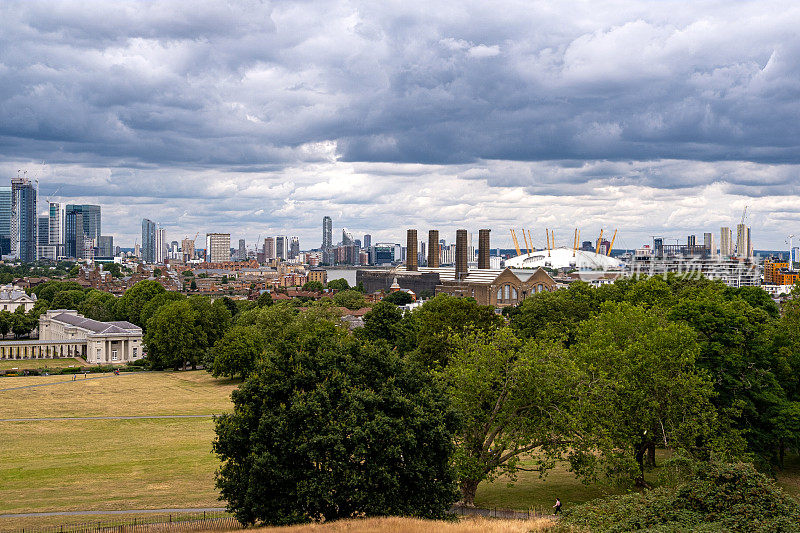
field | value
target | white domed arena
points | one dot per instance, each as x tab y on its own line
568	258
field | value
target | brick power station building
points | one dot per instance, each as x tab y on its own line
495	287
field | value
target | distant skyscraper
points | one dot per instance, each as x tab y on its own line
327	232
269	249
691	241
282	247
57	228
658	247
218	247
23	219
43	249
347	237
105	246
161	246
187	249
743	246
5	220
148	247
294	248
725	242
367	240
76	233
242	254
708	243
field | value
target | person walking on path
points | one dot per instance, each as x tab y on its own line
557	506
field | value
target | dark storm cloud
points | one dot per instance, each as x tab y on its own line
186	83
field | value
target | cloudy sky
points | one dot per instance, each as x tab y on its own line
258	118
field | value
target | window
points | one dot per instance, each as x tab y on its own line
539	288
134	352
499	294
513	293
506	292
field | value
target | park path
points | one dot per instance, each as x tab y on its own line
59	418
128	511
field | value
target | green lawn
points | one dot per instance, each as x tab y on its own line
530	491
40	363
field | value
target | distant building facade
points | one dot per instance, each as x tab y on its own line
218	247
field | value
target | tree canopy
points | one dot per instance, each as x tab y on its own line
335	428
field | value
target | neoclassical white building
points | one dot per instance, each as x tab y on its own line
12	297
65	333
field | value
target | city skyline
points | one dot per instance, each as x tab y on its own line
651	119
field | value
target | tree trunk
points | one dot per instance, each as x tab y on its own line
651	455
468	489
639	455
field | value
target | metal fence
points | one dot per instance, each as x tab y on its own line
220	521
494	512
147	523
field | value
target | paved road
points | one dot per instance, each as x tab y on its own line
59	418
110	375
129	511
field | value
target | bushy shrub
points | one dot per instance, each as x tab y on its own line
717	497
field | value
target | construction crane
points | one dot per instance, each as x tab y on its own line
610	246
516	242
744	214
599	241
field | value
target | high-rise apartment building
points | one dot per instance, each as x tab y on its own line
43	248
282	247
218	247
327	232
187	249
161	246
105	246
347	237
725	242
5	220
367	240
708	243
82	222
269	249
148	247
241	254
23	219
57	214
294	248
743	245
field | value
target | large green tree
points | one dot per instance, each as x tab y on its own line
181	332
237	352
642	388
435	326
130	304
350	299
512	399
330	428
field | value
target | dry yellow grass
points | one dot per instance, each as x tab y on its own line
106	465
146	393
40	363
415	525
